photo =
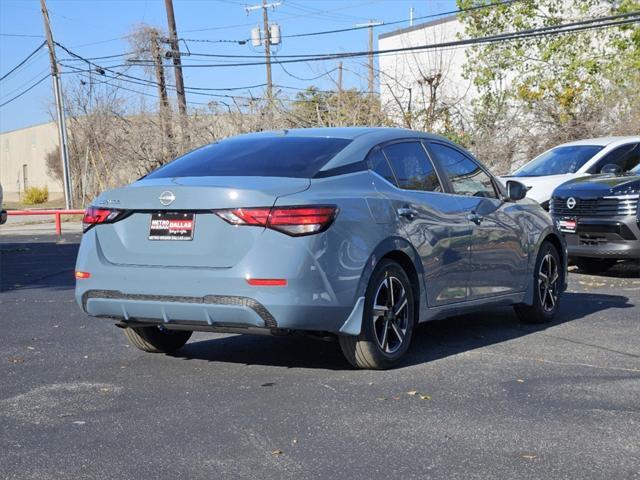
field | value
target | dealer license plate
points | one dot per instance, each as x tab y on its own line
171	226
568	225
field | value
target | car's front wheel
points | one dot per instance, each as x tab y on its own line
156	340
387	322
547	282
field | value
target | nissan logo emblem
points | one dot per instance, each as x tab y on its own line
571	203
166	198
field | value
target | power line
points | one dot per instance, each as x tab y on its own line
383	24
289	17
301	78
19	35
25	60
120	76
558	29
589	24
104	57
572	27
101	68
25	91
396	22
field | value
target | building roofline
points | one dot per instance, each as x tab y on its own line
420	26
27	128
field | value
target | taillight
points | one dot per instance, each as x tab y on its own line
294	221
301	220
95	216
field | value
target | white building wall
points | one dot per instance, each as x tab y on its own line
404	76
23	160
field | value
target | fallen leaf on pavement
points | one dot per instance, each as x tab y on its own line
412	392
277	451
425	397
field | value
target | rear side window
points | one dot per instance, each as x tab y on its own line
412	167
378	163
626	157
300	157
466	176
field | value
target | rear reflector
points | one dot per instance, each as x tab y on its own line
267	282
95	216
82	275
294	221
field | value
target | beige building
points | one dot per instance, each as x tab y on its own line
23	160
411	80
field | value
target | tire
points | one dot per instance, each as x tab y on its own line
594	265
156	340
546	295
373	348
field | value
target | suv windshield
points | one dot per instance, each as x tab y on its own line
558	160
300	157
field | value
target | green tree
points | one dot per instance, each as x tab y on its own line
559	85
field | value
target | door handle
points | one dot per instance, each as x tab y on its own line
407	212
475	218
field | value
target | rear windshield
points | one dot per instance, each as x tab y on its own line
300	157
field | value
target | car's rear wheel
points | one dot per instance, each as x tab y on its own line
157	340
547	283
594	265
387	323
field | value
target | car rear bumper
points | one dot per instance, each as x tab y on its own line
313	298
598	238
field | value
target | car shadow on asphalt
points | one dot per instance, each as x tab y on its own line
623	269
37	265
431	341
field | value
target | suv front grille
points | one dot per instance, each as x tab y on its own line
619	205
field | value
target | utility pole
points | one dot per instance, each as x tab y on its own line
175	55
340	113
370	25
165	117
267	41
57	93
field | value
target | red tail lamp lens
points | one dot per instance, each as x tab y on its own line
82	275
246	216
95	216
294	221
267	282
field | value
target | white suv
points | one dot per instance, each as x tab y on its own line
572	160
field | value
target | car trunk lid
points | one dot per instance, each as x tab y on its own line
215	243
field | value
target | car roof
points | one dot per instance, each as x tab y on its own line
602	141
350	133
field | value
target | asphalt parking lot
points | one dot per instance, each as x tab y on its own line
479	396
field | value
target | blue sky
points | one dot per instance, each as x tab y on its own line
97	27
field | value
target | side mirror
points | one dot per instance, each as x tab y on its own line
611	168
516	191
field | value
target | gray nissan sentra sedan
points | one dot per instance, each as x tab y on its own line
358	233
